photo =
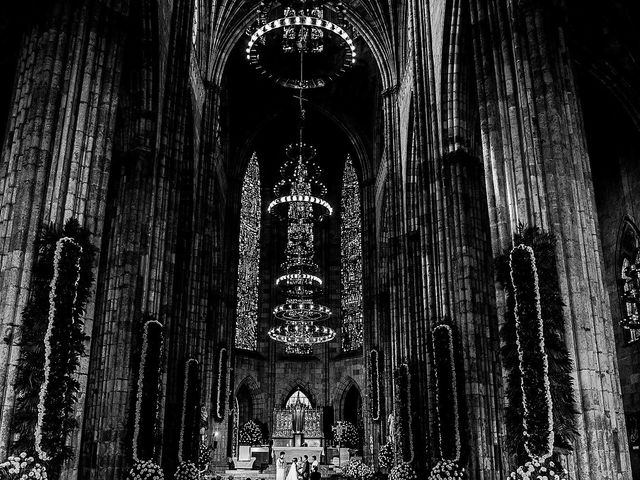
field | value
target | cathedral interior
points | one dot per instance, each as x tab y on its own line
401	237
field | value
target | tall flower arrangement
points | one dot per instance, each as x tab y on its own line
187	471
357	470
52	342
516	271
404	414
190	420
221	385
250	434
374	359
385	456
447	407
148	389
345	434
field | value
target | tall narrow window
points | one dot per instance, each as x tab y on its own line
630	264
351	252
249	259
196	21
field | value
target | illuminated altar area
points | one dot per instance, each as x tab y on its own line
297	428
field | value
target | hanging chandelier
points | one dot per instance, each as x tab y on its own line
299	200
287	30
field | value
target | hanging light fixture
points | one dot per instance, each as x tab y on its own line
288	29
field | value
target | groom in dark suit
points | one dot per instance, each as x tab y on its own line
305	469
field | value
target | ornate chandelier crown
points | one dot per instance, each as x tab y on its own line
285	31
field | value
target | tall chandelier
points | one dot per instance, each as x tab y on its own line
300	201
285	33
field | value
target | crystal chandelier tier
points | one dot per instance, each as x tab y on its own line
287	29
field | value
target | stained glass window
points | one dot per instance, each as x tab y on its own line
298	397
351	260
249	259
196	21
630	259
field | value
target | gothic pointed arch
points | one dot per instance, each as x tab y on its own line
249	259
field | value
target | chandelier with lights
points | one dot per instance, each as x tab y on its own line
285	33
286	30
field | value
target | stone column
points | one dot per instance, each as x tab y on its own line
538	173
56	157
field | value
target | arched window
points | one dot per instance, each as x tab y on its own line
249	259
629	260
351	257
196	21
298	397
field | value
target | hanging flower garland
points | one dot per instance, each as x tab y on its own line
537	420
190	400
374	357
446	393
149	354
50	430
22	467
187	471
403	471
145	470
222	384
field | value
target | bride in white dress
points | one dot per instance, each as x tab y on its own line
293	470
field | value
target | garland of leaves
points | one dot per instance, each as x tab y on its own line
52	342
148	389
404	432
446	393
221	383
250	434
190	410
558	360
374	358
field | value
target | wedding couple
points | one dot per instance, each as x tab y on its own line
298	470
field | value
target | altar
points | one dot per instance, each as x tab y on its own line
298	431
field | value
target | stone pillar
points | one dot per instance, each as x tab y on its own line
56	157
538	173
453	227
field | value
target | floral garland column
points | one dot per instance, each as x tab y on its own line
58	390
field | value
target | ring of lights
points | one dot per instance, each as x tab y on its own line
326	209
301	312
304	21
294	279
297	334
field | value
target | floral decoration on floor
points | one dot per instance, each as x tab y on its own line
22	467
403	471
356	469
187	471
145	470
540	470
447	469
